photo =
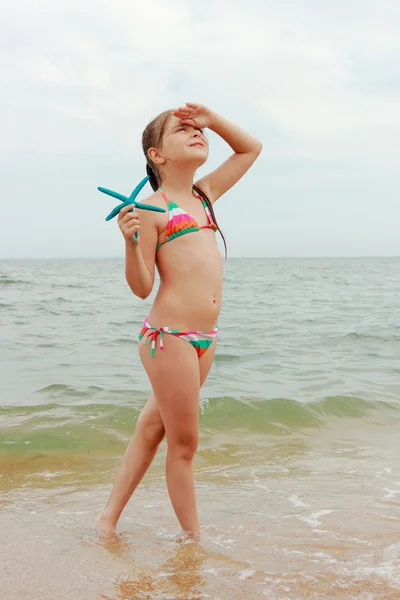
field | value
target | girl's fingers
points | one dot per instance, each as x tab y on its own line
124	227
128	216
188	122
188	109
124	210
181	111
191	114
130	232
129	224
181	116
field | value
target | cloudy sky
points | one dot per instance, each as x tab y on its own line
317	81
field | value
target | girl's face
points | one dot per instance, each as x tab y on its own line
184	143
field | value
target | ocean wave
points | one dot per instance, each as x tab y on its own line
98	425
8	281
226	357
44	310
357	335
279	415
68	285
60	389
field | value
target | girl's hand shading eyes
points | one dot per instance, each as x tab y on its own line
195	115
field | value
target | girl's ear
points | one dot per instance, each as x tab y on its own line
155	156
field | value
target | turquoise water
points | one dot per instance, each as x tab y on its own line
299	424
301	341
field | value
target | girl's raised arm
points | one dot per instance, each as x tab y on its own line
245	146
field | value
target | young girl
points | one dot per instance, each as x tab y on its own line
178	338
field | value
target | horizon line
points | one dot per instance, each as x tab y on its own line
15	258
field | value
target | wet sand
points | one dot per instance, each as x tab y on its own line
292	517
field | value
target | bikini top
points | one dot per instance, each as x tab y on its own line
180	222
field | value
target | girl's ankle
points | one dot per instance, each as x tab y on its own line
107	515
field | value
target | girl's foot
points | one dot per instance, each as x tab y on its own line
187	537
105	526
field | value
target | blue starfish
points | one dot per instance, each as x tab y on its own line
131	200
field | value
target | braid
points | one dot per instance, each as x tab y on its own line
211	208
153	177
152	137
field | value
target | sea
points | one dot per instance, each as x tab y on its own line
297	472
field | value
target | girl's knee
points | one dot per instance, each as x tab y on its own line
152	430
184	445
155	434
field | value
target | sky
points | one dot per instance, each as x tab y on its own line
317	81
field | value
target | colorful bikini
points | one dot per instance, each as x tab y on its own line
179	223
198	339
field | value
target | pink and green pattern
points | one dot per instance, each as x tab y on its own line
200	340
180	222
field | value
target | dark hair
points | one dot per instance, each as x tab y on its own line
152	138
210	206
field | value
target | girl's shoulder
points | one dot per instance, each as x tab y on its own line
156	198
150	216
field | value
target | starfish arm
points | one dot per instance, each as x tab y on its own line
137	189
116	210
113	194
149	207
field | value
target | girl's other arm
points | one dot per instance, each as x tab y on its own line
139	252
246	149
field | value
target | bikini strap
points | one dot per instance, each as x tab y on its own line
163	194
168	217
199	196
208	212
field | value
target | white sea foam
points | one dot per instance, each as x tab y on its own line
313	519
295	500
246	574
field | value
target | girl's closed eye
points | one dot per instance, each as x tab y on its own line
184	128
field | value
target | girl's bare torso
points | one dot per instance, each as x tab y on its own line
190	269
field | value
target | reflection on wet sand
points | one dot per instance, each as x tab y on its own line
295	517
180	575
116	544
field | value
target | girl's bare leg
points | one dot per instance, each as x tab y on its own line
138	457
141	451
175	377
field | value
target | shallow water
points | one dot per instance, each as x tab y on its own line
296	516
297	471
